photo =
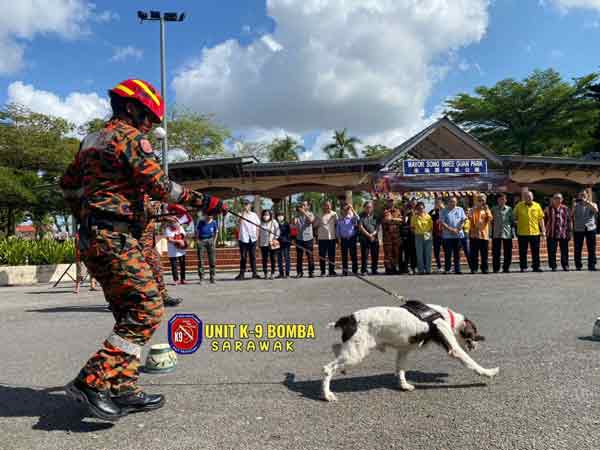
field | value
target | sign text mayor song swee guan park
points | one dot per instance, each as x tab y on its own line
413	167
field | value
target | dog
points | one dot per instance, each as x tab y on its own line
405	329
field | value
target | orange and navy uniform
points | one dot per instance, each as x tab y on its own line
108	184
113	170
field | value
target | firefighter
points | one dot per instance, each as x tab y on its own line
148	242
105	186
392	221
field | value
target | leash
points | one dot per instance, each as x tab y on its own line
326	260
309	252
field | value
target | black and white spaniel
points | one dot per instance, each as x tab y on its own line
405	328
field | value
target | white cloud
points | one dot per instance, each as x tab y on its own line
273	45
124	53
76	107
565	5
316	151
22	20
260	136
365	65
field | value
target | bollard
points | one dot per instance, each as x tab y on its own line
161	359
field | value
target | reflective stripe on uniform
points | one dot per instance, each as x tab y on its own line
125	345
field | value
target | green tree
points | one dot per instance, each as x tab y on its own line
91	126
377	151
284	149
35	149
543	114
342	147
258	150
196	134
594	94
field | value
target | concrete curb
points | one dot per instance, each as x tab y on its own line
28	275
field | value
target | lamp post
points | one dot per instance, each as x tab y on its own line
162	18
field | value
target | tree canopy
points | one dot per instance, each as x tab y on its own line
35	149
343	146
543	114
284	149
196	134
377	151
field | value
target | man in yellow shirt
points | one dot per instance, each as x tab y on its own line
530	226
479	233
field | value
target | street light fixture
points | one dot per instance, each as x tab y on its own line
166	17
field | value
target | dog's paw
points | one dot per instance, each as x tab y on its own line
329	397
491	373
406	387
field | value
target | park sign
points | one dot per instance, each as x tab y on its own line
425	167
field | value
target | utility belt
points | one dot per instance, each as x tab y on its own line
94	223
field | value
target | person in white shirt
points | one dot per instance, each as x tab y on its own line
304	241
248	235
325	227
267	241
176	247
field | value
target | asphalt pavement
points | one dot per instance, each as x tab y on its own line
537	326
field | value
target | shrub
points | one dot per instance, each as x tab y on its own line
21	252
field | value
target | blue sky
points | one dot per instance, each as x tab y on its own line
292	66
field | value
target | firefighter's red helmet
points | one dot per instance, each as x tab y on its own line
143	92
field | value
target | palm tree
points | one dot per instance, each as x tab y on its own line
342	146
285	149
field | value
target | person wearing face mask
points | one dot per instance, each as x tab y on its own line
347	232
304	241
325	228
285	242
268	241
248	235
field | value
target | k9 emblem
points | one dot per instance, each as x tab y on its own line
185	333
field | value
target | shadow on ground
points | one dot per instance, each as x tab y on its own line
54	410
73	308
312	388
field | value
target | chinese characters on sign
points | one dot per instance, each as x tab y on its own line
414	167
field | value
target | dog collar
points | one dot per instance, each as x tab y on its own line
451	314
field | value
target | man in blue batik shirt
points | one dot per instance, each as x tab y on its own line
452	219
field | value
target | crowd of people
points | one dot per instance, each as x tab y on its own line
416	241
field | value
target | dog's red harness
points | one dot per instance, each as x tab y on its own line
452	321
